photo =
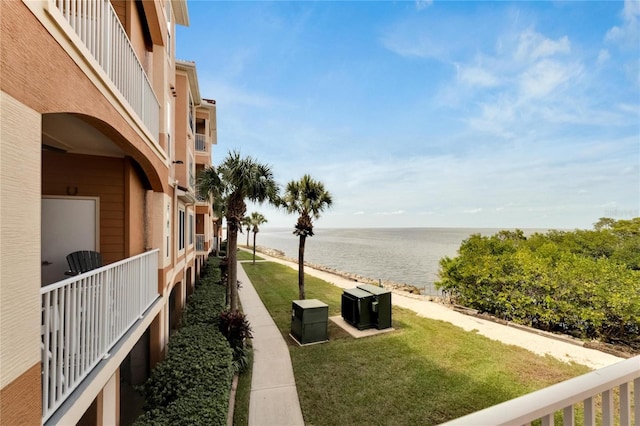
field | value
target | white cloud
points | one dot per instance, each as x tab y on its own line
533	46
545	77
629	31
423	4
392	213
603	56
474	211
476	76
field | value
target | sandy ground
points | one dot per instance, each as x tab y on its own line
541	345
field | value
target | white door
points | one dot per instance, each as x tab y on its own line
68	225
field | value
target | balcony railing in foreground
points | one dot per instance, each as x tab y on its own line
83	317
98	26
566	396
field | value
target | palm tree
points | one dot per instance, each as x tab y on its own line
308	198
256	219
246	221
238	179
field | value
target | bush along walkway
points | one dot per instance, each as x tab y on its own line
191	386
274	396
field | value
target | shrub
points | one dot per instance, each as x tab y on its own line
191	386
199	359
235	327
194	408
572	282
206	303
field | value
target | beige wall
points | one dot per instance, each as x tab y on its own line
135	223
157	204
20	129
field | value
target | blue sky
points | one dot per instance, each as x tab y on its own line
419	113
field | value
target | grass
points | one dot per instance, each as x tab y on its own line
245	255
241	408
425	372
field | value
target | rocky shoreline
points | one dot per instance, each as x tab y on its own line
356	278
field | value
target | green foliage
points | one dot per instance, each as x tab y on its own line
207	302
585	283
191	386
235	327
199	358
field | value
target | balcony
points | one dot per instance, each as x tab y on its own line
83	317
201	143
100	31
562	399
200	242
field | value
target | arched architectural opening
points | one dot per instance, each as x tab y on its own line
92	183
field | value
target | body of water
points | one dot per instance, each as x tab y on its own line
402	255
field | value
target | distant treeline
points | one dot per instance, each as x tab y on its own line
585	282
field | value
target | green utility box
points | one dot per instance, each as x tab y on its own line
380	305
309	320
356	308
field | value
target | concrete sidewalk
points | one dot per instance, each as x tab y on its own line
535	343
274	397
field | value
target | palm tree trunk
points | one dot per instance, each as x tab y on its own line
232	255
247	237
301	293
254	248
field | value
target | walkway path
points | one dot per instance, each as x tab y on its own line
274	397
537	344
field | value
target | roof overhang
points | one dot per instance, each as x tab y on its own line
189	68
185	196
181	12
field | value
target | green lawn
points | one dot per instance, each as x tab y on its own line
245	255
426	372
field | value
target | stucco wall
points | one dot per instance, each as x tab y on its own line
92	176
20	129
135	211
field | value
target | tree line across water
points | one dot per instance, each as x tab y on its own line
585	283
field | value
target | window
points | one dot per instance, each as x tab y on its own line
168	230
168	127
192	178
191	123
181	230
191	229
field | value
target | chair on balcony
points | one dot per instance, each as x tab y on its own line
83	261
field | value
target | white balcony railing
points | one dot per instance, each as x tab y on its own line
566	396
201	143
199	242
98	26
83	317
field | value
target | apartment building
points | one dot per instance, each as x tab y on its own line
101	132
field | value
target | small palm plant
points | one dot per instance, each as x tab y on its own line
308	198
256	219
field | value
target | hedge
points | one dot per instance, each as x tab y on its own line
191	386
